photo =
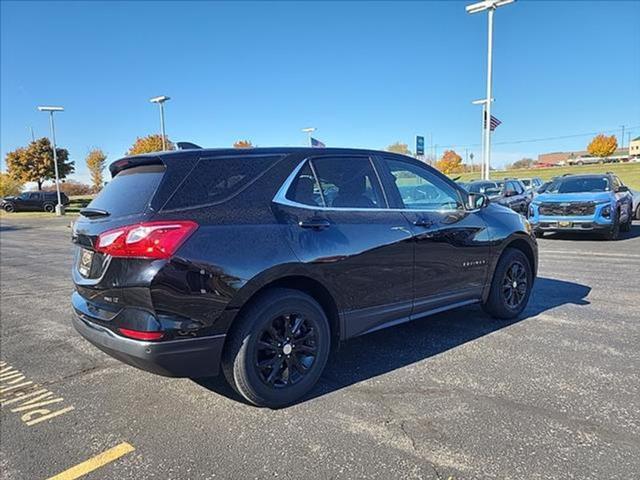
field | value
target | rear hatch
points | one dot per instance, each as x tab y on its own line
125	200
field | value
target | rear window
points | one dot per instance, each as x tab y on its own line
216	180
130	192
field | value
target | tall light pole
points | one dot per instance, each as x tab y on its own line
309	131
490	6
160	101
59	206
484	168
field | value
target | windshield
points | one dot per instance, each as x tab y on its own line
577	185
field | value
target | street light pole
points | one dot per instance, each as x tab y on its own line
160	101
309	131
59	206
487	106
490	6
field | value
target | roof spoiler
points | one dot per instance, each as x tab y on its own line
129	162
188	146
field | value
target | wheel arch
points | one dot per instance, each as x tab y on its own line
519	241
300	282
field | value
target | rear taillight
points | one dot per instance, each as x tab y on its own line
145	240
139	335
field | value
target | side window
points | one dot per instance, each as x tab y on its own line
348	182
422	190
216	180
305	188
34	196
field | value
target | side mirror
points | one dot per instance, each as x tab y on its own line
622	188
509	193
476	201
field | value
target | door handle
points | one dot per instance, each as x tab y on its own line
423	222
314	223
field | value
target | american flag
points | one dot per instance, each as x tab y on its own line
494	122
317	143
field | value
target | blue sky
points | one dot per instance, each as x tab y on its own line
366	74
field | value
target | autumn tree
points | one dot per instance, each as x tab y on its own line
150	143
450	162
243	144
96	160
398	147
71	187
34	163
602	146
522	163
9	185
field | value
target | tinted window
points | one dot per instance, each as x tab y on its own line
420	189
526	182
576	185
305	188
348	182
480	187
130	191
216	180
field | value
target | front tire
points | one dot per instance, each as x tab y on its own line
9	208
511	285
614	233
278	348
626	226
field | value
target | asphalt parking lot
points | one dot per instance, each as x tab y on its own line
555	394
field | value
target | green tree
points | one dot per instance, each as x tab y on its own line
602	146
9	185
96	160
398	147
34	163
150	143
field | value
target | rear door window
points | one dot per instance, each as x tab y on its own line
216	180
130	192
348	182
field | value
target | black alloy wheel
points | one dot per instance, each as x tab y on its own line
277	348
514	285
511	285
286	350
49	208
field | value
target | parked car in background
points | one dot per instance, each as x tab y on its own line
584	203
532	184
256	263
33	201
509	192
635	194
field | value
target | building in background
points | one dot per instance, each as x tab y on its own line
634	147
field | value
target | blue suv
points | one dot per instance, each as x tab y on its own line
583	203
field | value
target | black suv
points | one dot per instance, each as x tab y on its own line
259	262
509	192
33	201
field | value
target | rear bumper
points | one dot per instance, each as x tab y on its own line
189	357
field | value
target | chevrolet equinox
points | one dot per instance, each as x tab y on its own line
257	262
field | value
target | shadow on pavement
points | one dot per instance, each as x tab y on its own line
386	350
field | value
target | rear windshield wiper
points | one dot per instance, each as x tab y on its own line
94	212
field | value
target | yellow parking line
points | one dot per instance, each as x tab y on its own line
94	463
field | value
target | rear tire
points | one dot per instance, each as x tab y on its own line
49	207
539	233
511	285
638	212
277	348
